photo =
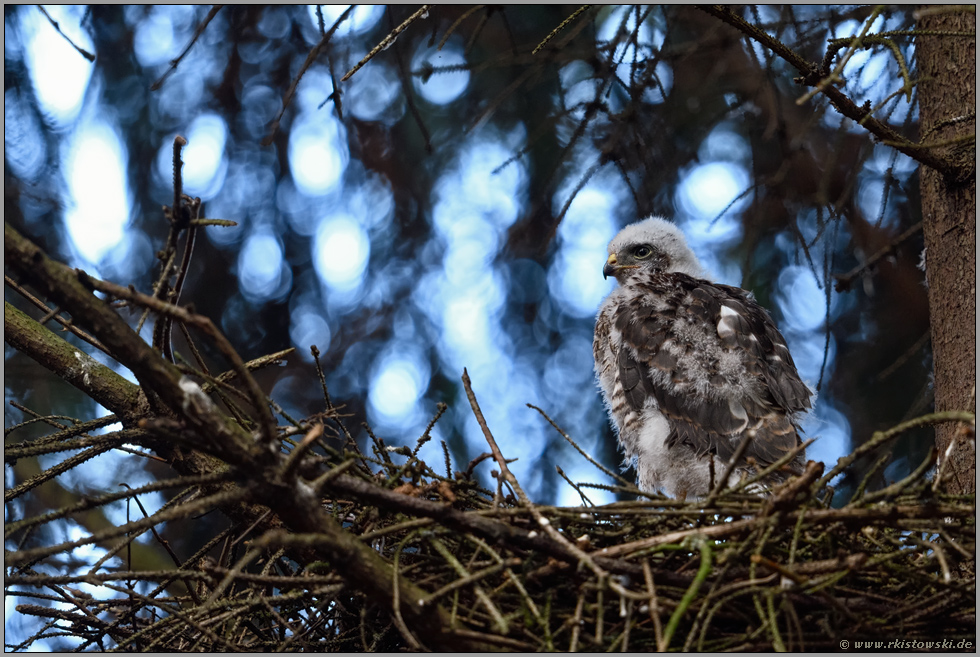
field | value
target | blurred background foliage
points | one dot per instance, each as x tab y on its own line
449	204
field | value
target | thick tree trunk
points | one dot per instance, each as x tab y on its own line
947	106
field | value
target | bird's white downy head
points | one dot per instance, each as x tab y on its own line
662	235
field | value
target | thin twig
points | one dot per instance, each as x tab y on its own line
452	28
508	476
310	58
84	53
387	41
881	437
57	316
561	26
185	263
409	93
197	35
653	604
581	451
585	500
844	281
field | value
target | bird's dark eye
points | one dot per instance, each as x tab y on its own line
642	251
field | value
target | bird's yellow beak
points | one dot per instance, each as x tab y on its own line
612	263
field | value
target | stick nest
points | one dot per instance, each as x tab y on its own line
734	572
293	538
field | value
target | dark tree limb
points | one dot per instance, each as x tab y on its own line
70	363
811	75
296	507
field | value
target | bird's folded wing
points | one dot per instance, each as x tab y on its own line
706	408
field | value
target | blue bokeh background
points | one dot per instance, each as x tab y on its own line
402	263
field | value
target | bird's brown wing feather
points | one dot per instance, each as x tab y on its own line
711	423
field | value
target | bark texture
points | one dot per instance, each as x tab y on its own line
947	106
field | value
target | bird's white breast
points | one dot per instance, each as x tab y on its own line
676	471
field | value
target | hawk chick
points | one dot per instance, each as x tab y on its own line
689	368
